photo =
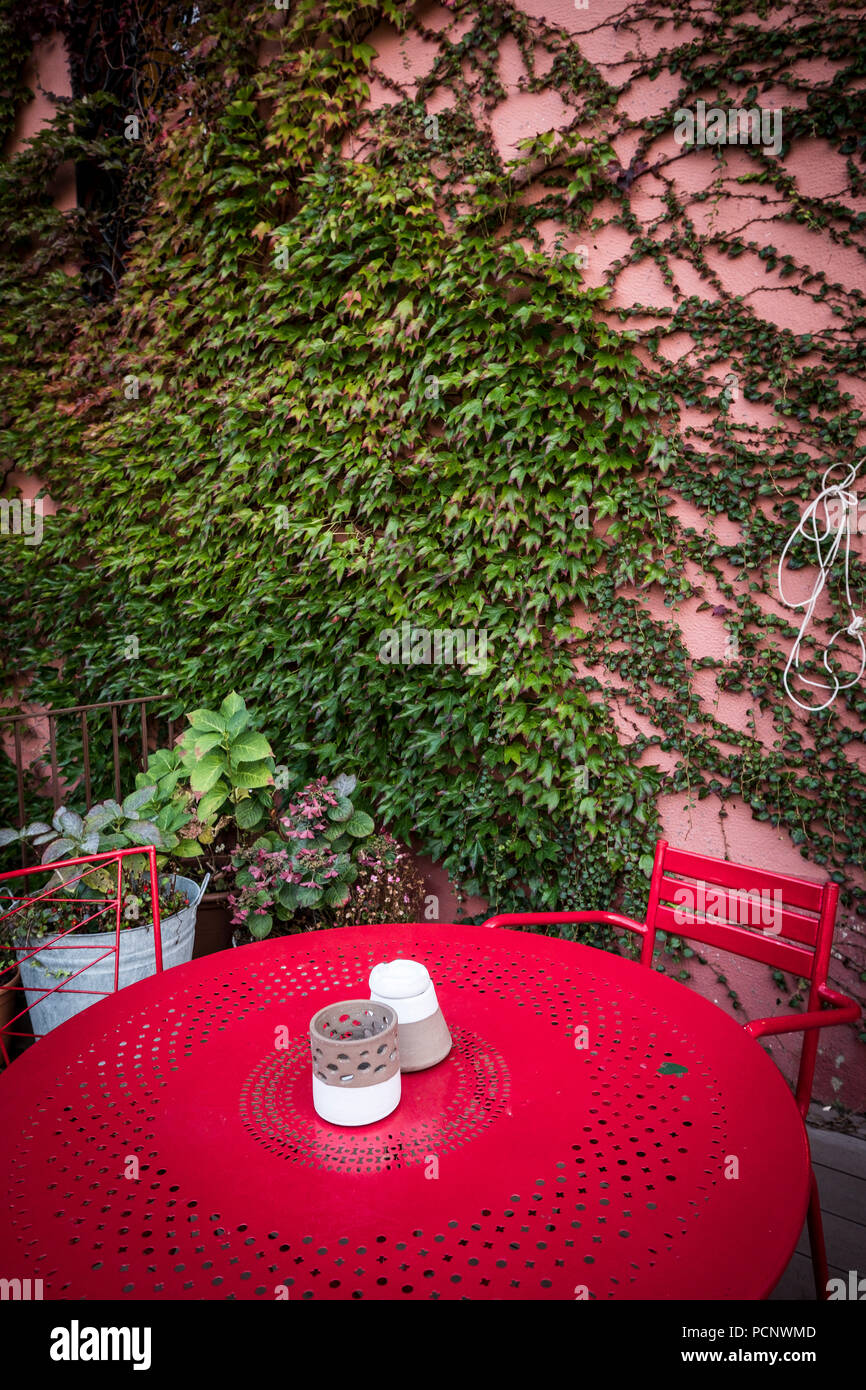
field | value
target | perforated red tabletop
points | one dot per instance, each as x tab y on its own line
163	1144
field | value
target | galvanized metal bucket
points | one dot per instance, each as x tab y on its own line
137	962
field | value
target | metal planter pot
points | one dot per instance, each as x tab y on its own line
137	962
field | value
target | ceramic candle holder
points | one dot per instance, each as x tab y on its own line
407	987
356	1062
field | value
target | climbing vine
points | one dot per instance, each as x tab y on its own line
341	381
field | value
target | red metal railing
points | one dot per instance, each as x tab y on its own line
58	940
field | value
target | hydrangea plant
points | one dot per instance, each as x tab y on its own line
230	765
311	862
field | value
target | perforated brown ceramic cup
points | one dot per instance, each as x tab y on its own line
356	1062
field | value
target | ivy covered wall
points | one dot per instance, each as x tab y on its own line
422	314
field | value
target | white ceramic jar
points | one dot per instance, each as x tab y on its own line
406	986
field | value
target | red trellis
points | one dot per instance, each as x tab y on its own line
58	941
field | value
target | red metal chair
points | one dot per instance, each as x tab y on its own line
103	906
783	921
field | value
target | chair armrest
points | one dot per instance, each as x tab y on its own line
844	1011
520	919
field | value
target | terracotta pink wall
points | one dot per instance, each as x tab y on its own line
46	72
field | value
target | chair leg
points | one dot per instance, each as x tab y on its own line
816	1241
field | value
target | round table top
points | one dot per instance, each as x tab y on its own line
163	1144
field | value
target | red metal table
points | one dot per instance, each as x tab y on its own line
163	1144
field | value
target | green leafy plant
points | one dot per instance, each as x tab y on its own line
76	906
388	888
173	806
308	865
230	765
107	825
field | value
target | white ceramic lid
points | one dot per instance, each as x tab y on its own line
399	979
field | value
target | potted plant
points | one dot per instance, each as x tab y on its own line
230	765
389	887
323	867
87	901
39	924
174	810
211	791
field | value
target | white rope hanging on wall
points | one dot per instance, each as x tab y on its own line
838	501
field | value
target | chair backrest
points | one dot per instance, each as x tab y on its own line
785	922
